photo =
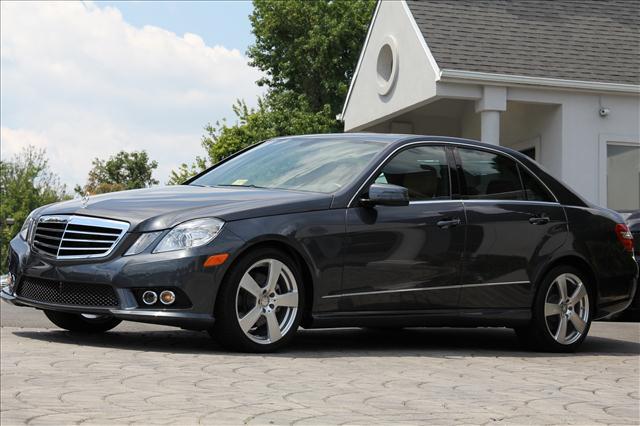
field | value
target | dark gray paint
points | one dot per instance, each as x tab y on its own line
345	247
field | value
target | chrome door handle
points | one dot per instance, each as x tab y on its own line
449	223
539	220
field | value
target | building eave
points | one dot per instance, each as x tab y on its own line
506	79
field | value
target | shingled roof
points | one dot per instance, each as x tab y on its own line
586	40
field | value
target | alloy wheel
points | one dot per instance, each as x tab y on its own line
566	308
267	301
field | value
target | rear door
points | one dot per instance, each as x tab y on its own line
513	225
401	258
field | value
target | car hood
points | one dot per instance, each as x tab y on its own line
160	208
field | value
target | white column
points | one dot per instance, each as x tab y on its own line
492	103
490	126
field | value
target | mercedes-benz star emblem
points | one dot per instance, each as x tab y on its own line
85	200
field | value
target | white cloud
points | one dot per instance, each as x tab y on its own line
81	82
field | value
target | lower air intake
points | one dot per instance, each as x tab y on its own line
65	293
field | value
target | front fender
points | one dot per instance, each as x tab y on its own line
318	237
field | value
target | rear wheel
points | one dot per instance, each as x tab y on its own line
260	303
562	312
84	323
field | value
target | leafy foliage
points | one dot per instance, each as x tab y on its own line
309	47
125	170
26	183
280	114
308	51
186	171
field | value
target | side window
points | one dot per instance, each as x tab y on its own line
534	190
489	176
424	171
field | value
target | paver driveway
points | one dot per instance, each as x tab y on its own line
414	376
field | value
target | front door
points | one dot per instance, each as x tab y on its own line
406	257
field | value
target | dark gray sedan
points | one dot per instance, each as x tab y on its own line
333	231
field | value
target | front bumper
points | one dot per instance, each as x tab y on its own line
177	318
183	270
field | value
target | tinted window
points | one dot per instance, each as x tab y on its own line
308	164
534	190
424	171
489	176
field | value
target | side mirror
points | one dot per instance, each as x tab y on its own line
384	194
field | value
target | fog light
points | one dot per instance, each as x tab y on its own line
149	297
167	297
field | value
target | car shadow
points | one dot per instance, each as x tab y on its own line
351	342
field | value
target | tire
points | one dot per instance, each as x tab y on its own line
80	323
254	313
552	309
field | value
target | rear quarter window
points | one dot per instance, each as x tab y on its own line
534	189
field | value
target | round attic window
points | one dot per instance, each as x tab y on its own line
387	65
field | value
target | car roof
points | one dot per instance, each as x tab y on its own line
364	137
400	139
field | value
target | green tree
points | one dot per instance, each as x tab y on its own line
186	171
308	52
125	170
280	114
26	182
309	47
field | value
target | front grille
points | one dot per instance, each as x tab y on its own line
77	237
65	293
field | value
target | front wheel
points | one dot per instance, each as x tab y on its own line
562	312
83	323
260	302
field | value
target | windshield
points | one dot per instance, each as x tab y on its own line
307	164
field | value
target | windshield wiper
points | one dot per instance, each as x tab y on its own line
229	185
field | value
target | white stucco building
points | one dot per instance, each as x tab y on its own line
559	80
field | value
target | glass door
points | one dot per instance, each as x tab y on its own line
623	177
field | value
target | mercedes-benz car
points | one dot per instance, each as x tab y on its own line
340	230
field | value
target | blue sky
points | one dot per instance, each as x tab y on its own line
218	22
88	79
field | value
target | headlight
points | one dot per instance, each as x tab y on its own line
193	233
25	231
